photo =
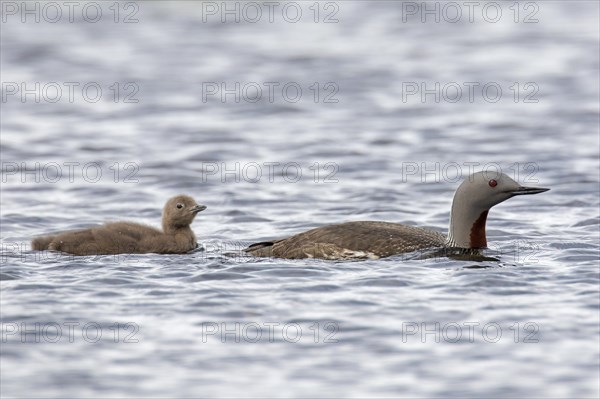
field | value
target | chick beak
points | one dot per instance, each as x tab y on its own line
198	208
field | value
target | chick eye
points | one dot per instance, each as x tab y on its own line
179	206
493	183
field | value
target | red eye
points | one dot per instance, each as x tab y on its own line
493	183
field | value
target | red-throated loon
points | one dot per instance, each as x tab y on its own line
365	239
176	236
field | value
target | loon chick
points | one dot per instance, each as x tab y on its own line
176	236
372	240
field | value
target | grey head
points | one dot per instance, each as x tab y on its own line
473	199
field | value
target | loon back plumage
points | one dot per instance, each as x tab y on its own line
351	240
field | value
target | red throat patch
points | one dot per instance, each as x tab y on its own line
477	236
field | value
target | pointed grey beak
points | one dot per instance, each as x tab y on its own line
198	208
528	190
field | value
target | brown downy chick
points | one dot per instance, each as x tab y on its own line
176	236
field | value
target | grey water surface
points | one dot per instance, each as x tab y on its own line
355	110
